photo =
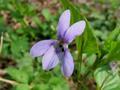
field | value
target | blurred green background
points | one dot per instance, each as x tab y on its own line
24	22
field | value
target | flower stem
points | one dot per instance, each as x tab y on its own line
79	58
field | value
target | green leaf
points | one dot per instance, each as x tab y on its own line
22	87
84	69
90	60
114	54
106	80
58	87
112	39
37	21
114	34
46	14
90	44
18	75
19	45
41	87
26	64
55	81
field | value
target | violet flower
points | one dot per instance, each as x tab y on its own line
113	66
56	51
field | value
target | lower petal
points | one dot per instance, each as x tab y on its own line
67	64
41	47
50	59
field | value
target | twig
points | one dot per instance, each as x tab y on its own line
14	83
1	43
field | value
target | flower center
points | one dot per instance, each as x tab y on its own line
59	47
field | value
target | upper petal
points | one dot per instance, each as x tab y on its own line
63	24
75	30
50	59
41	47
67	66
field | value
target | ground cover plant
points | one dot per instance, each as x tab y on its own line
83	36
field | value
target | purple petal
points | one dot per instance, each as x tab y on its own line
75	30
41	47
63	24
67	64
50	59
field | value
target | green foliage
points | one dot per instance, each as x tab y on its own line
22	87
112	45
87	43
90	44
41	86
96	47
18	75
106	80
52	85
25	64
46	14
23	45
28	76
114	54
112	39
